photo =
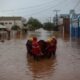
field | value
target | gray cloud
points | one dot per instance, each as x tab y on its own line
36	8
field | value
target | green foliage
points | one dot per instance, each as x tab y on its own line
34	24
25	25
48	26
56	28
15	27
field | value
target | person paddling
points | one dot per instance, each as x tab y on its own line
51	47
36	51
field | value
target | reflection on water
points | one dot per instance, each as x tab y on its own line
14	65
41	69
40	34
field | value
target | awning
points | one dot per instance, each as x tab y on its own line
2	27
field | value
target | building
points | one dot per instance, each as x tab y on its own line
65	27
3	32
74	24
11	21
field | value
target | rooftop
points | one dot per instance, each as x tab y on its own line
10	18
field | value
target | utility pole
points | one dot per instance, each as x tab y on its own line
49	19
56	18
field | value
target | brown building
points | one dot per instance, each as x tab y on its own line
65	27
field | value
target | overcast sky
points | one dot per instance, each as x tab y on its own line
41	9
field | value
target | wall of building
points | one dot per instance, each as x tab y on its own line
11	21
66	25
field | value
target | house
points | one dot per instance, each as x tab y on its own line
3	32
11	21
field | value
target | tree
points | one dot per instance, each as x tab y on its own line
15	27
48	26
24	22
35	23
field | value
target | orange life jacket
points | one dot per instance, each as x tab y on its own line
51	47
35	48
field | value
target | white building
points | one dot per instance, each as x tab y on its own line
11	21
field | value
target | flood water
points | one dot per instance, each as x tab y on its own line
16	65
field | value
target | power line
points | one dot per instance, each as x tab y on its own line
19	9
33	7
47	8
43	10
77	4
56	16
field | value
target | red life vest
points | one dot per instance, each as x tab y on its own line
51	47
54	41
35	48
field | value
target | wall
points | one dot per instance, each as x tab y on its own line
10	23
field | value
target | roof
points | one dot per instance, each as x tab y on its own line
10	18
64	15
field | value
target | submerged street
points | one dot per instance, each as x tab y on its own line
16	65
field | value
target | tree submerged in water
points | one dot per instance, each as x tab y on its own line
34	24
48	26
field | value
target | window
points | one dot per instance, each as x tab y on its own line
10	23
2	23
6	23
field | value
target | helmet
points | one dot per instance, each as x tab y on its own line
49	40
34	38
30	39
53	37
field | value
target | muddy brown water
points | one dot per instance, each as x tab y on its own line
16	65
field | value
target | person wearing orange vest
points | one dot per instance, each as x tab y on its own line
36	51
54	41
48	48
51	47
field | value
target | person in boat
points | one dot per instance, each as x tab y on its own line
51	47
48	53
36	51
54	41
42	45
29	46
